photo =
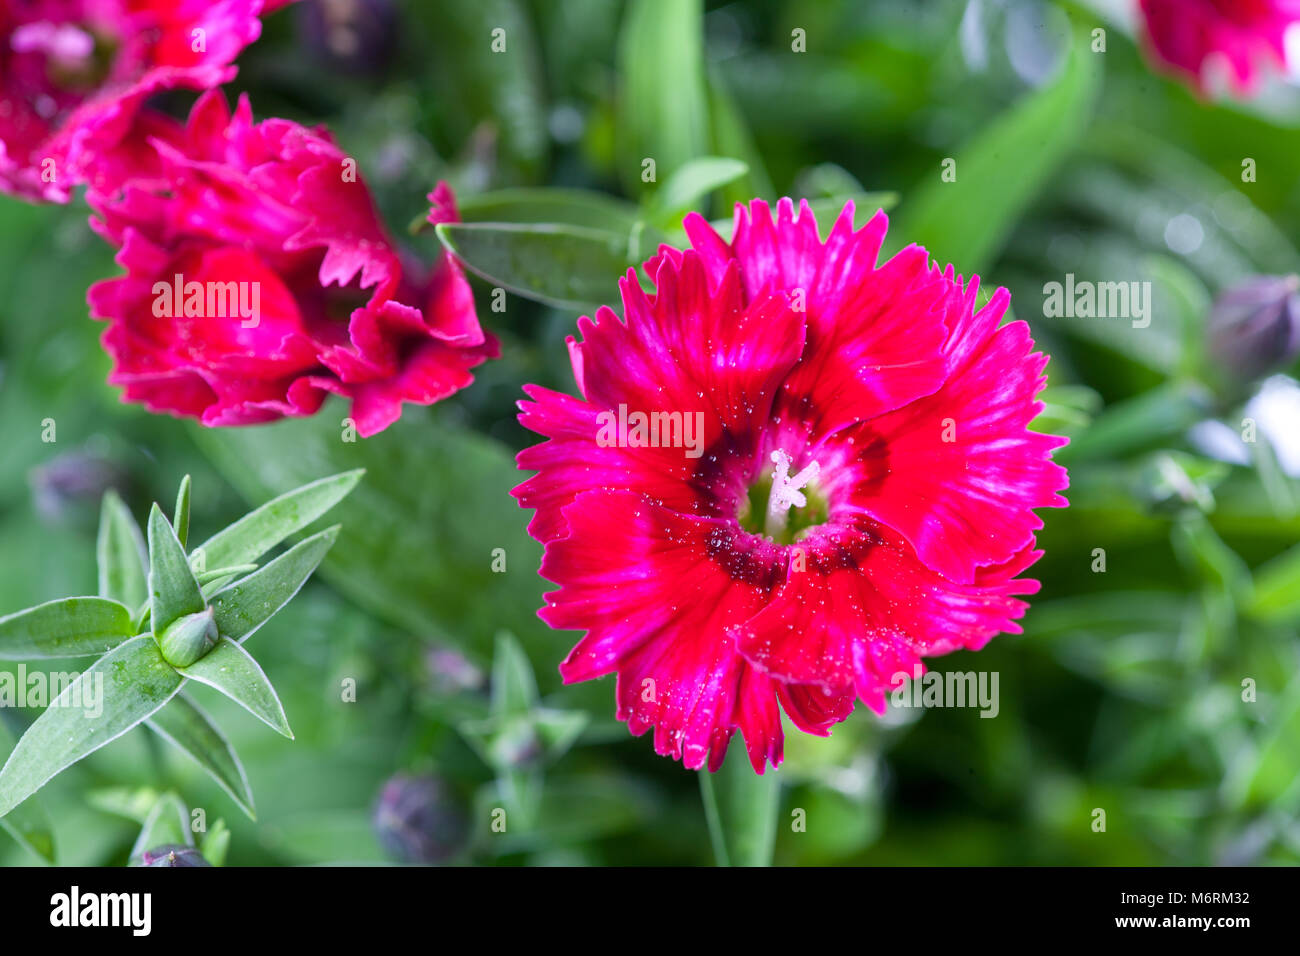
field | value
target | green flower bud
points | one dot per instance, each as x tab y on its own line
189	638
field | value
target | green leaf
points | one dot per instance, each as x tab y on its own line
210	582
572	811
1170	481
1276	596
418	552
1205	553
173	591
70	627
966	222
1280	488
134	803
235	570
1259	776
506	86
123	564
28	823
216	843
135	682
559	730
168	824
741	808
245	606
184	725
569	267
572	207
514	688
1139	422
1067	409
263	528
660	119
686	187
231	669
181	516
732	137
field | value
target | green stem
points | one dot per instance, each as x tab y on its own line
741	808
1140	423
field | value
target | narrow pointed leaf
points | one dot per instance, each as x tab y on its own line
383	560
732	136
245	606
207	577
692	183
559	729
184	725
514	687
1276	595
216	843
133	803
173	590
126	686
231	669
29	824
123	565
569	267
666	121
168	823
181	516
71	627
968	220
575	207
262	529
210	582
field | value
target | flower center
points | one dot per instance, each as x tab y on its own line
75	57
769	508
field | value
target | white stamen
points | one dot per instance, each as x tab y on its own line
785	492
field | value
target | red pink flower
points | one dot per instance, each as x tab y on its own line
259	279
1187	36
74	74
856	493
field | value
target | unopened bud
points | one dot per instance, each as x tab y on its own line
1255	326
189	638
174	854
354	36
451	672
71	485
417	820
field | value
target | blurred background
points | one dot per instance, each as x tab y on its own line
1157	677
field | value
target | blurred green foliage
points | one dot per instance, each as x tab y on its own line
1124	694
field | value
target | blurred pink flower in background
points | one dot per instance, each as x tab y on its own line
1246	36
274	217
74	74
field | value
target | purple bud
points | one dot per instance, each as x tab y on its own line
417	820
174	854
1255	326
355	36
451	672
71	482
